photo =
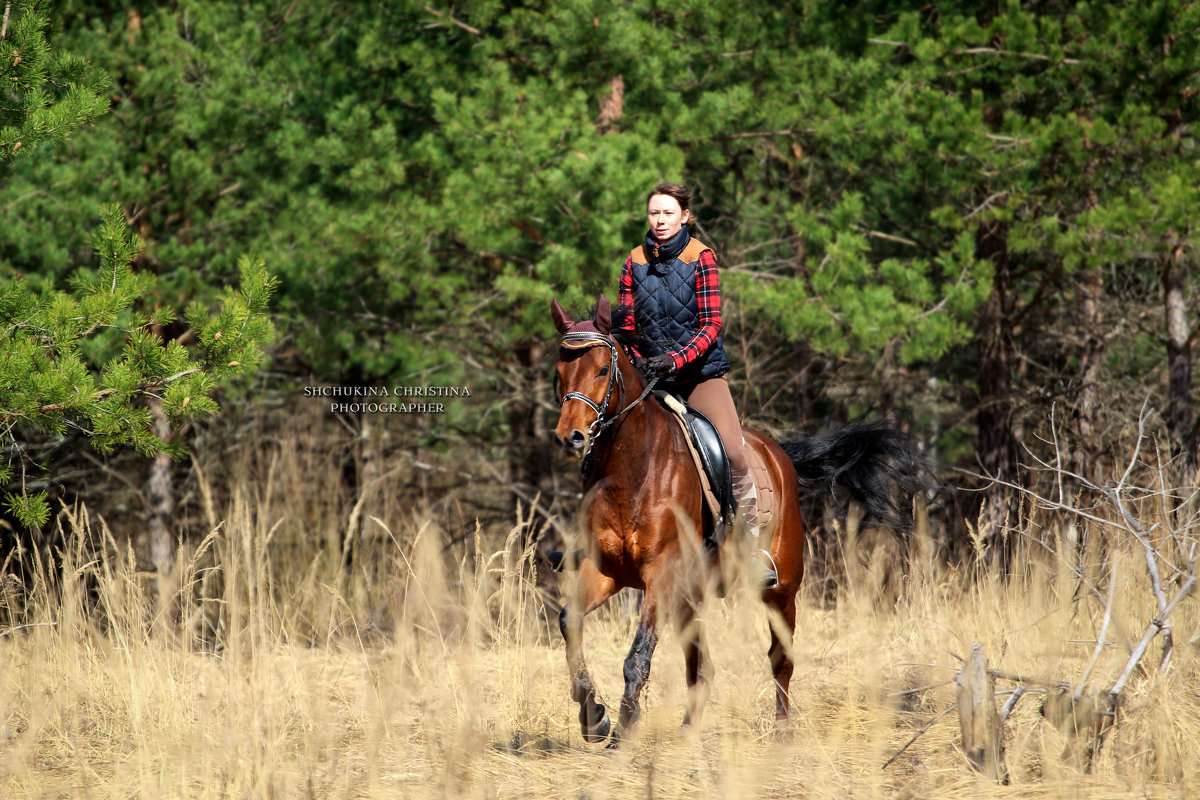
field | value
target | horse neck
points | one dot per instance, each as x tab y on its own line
640	429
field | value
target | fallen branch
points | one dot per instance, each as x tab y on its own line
1157	624
29	625
1011	703
918	735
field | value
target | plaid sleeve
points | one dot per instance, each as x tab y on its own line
625	298
708	298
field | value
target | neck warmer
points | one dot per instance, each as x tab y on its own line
670	248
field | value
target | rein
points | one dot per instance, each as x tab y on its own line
582	340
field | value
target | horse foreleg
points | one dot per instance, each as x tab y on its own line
593	588
782	632
637	667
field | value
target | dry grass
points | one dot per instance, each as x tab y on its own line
417	671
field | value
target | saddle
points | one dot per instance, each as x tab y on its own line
708	452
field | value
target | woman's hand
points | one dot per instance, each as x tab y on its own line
655	366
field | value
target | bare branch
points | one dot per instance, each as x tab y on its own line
1112	585
992	51
1011	703
456	23
1156	625
904	692
987	203
1025	679
31	624
918	735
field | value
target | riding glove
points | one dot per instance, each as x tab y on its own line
656	366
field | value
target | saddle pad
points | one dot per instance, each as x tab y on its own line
768	502
710	497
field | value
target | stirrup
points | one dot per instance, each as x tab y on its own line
770	575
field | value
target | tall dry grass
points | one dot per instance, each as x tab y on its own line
279	669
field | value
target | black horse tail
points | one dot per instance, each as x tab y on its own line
875	463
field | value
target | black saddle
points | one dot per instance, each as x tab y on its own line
708	444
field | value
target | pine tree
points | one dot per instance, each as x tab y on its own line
45	96
88	359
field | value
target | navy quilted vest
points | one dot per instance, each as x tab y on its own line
665	306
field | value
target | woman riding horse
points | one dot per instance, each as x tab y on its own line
644	511
671	283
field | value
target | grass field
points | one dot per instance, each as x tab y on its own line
422	672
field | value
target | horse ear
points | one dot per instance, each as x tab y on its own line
561	321
603	316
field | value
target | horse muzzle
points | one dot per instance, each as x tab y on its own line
574	444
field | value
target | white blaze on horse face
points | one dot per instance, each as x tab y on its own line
665	216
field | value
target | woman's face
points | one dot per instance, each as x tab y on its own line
666	217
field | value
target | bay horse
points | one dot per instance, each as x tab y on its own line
644	512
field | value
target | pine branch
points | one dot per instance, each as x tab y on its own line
992	51
54	408
456	23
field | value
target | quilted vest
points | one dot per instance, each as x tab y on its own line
666	309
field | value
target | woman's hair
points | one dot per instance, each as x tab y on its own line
681	193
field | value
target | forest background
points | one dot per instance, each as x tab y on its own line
974	218
977	219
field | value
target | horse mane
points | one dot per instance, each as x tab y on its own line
622	316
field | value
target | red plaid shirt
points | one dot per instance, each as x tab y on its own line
708	298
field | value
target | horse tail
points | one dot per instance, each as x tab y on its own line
874	463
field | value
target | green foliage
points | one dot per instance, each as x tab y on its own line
45	95
31	510
424	179
47	383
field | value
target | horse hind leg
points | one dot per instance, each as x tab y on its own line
782	632
696	664
595	588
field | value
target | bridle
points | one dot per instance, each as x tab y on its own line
583	340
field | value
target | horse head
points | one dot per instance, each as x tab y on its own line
588	377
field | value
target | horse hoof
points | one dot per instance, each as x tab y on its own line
782	731
598	732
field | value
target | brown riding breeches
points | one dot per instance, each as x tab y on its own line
712	399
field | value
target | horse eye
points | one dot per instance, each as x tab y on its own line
603	372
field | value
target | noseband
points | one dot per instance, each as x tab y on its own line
583	340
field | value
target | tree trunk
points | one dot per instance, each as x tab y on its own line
997	444
160	486
529	453
1179	364
1088	447
982	734
802	397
